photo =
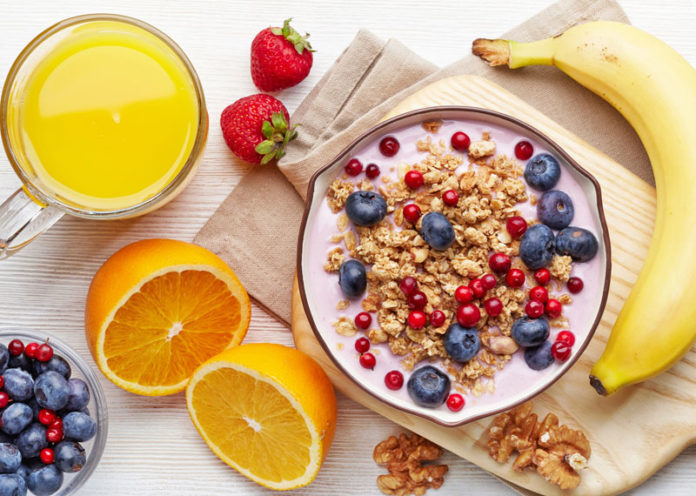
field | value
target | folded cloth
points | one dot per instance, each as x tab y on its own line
367	80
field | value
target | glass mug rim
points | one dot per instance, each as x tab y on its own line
145	205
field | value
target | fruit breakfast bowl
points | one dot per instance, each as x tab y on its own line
76	452
453	262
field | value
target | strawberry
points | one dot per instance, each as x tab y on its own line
256	128
280	58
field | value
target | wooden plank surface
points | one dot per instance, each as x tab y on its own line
153	448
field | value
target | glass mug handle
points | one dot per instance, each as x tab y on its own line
21	220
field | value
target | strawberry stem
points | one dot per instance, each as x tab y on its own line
299	42
277	134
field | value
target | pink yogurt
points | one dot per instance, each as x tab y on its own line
516	380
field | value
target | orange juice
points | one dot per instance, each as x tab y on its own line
109	116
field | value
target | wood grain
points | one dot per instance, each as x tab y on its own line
621	428
153	449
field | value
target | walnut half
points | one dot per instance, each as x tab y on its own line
404	457
557	451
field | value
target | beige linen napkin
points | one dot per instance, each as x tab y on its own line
255	229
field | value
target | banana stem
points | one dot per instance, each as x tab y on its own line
514	54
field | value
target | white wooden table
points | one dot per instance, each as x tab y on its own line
153	448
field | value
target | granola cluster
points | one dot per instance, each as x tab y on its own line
404	458
557	452
490	190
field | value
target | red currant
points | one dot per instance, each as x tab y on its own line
412	213
413	179
468	315
524	150
354	167
47	456
463	294
566	337
455	402
542	276
408	285
460	141
2	381
389	146
539	293
560	351
499	262
575	285
476	286
515	278
534	309
16	347
489	281
450	197
363	320
57	424
394	380
368	360
361	345
30	350
44	352
437	318
417	319
372	171
553	308
417	300
494	307
4	399
516	226
46	417
54	435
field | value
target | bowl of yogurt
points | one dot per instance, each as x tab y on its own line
453	262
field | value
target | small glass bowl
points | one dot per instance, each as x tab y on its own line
97	402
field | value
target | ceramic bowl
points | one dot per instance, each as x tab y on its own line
514	384
94	448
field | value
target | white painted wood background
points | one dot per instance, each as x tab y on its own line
153	448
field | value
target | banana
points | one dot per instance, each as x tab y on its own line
655	90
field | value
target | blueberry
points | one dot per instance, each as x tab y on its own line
366	208
555	209
542	172
15	418
577	242
70	456
428	386
35	408
12	485
24	470
4	358
462	343
10	458
437	231
51	390
18	384
21	361
45	480
79	427
56	364
352	278
530	332
537	246
539	357
79	395
32	440
4	438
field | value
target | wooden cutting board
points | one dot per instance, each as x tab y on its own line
634	432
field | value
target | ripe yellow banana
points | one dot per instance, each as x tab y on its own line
655	90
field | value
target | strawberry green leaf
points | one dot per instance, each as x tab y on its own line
298	41
279	123
268	157
265	147
267	129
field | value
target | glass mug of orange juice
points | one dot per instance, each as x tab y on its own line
103	117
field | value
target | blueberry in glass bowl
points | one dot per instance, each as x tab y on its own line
64	438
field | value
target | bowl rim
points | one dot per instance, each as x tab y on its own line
100	414
370	133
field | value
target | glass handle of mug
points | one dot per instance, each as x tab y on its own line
21	220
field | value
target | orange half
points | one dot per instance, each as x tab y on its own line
159	308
